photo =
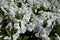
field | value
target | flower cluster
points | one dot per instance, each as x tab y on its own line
39	16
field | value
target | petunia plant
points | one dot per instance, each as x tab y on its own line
29	19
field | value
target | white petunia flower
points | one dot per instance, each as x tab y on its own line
7	38
16	25
15	36
30	26
37	34
1	36
23	28
57	38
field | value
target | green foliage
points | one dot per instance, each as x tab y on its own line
5	32
13	31
45	23
23	37
56	29
52	38
19	4
28	36
33	9
1	38
18	16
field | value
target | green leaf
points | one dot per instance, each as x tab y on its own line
18	16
